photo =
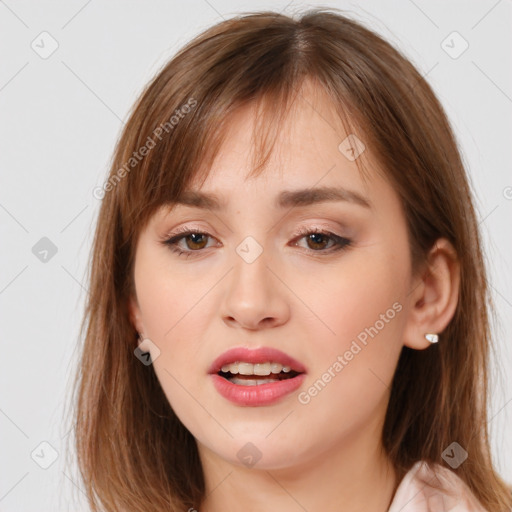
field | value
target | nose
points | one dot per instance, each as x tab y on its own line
255	296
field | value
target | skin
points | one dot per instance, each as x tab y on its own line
300	298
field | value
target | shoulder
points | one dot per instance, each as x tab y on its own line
433	488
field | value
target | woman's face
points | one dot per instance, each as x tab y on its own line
250	278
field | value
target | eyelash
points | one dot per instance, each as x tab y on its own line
339	241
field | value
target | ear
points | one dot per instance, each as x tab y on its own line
136	320
433	295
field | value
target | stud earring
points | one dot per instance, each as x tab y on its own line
433	338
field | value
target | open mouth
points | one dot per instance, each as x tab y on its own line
257	380
257	377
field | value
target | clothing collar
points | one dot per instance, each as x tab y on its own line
433	488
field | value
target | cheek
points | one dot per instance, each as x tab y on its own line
174	312
353	296
352	367
364	322
168	299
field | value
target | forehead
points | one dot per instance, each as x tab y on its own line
308	164
310	145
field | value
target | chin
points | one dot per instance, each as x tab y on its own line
260	452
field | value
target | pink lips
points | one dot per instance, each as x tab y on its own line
262	394
257	355
253	396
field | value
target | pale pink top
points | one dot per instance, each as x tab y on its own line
424	490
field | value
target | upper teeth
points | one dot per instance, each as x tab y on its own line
255	369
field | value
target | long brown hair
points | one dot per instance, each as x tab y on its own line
133	452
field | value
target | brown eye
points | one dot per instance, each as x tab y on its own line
318	240
197	240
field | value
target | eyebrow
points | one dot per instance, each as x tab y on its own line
285	199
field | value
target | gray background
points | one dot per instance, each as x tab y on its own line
60	118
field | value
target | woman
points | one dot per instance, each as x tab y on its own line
288	299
